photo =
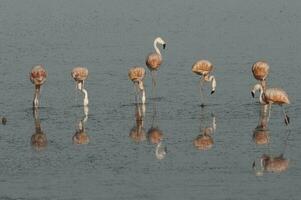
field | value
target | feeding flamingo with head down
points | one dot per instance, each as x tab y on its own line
204	68
136	75
260	72
80	75
37	76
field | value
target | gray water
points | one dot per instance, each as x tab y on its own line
108	37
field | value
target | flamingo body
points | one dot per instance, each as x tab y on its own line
38	75
276	96
260	70
79	73
136	74
153	61
202	67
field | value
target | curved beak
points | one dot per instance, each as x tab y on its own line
253	94
164	45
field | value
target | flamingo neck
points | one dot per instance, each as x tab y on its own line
80	85
86	100
261	100
143	98
156	47
36	96
213	124
81	125
160	152
260	88
212	80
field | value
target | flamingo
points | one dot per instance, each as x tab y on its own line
154	59
260	72
204	68
37	76
272	96
136	75
80	74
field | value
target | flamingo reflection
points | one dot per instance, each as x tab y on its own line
272	163
261	132
3	120
268	163
80	136
204	141
137	133
155	135
38	139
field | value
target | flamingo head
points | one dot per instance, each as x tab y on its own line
161	41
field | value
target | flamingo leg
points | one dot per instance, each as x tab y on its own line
286	117
154	83
201	92
136	93
269	112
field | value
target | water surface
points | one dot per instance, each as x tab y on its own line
108	37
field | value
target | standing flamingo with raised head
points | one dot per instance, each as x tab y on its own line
80	75
260	72
136	75
272	96
204	68
154	59
37	76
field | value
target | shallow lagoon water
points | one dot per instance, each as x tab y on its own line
108	37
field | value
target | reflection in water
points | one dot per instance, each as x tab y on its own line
137	133
271	163
80	136
268	162
38	139
3	120
276	164
204	141
261	132
155	135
